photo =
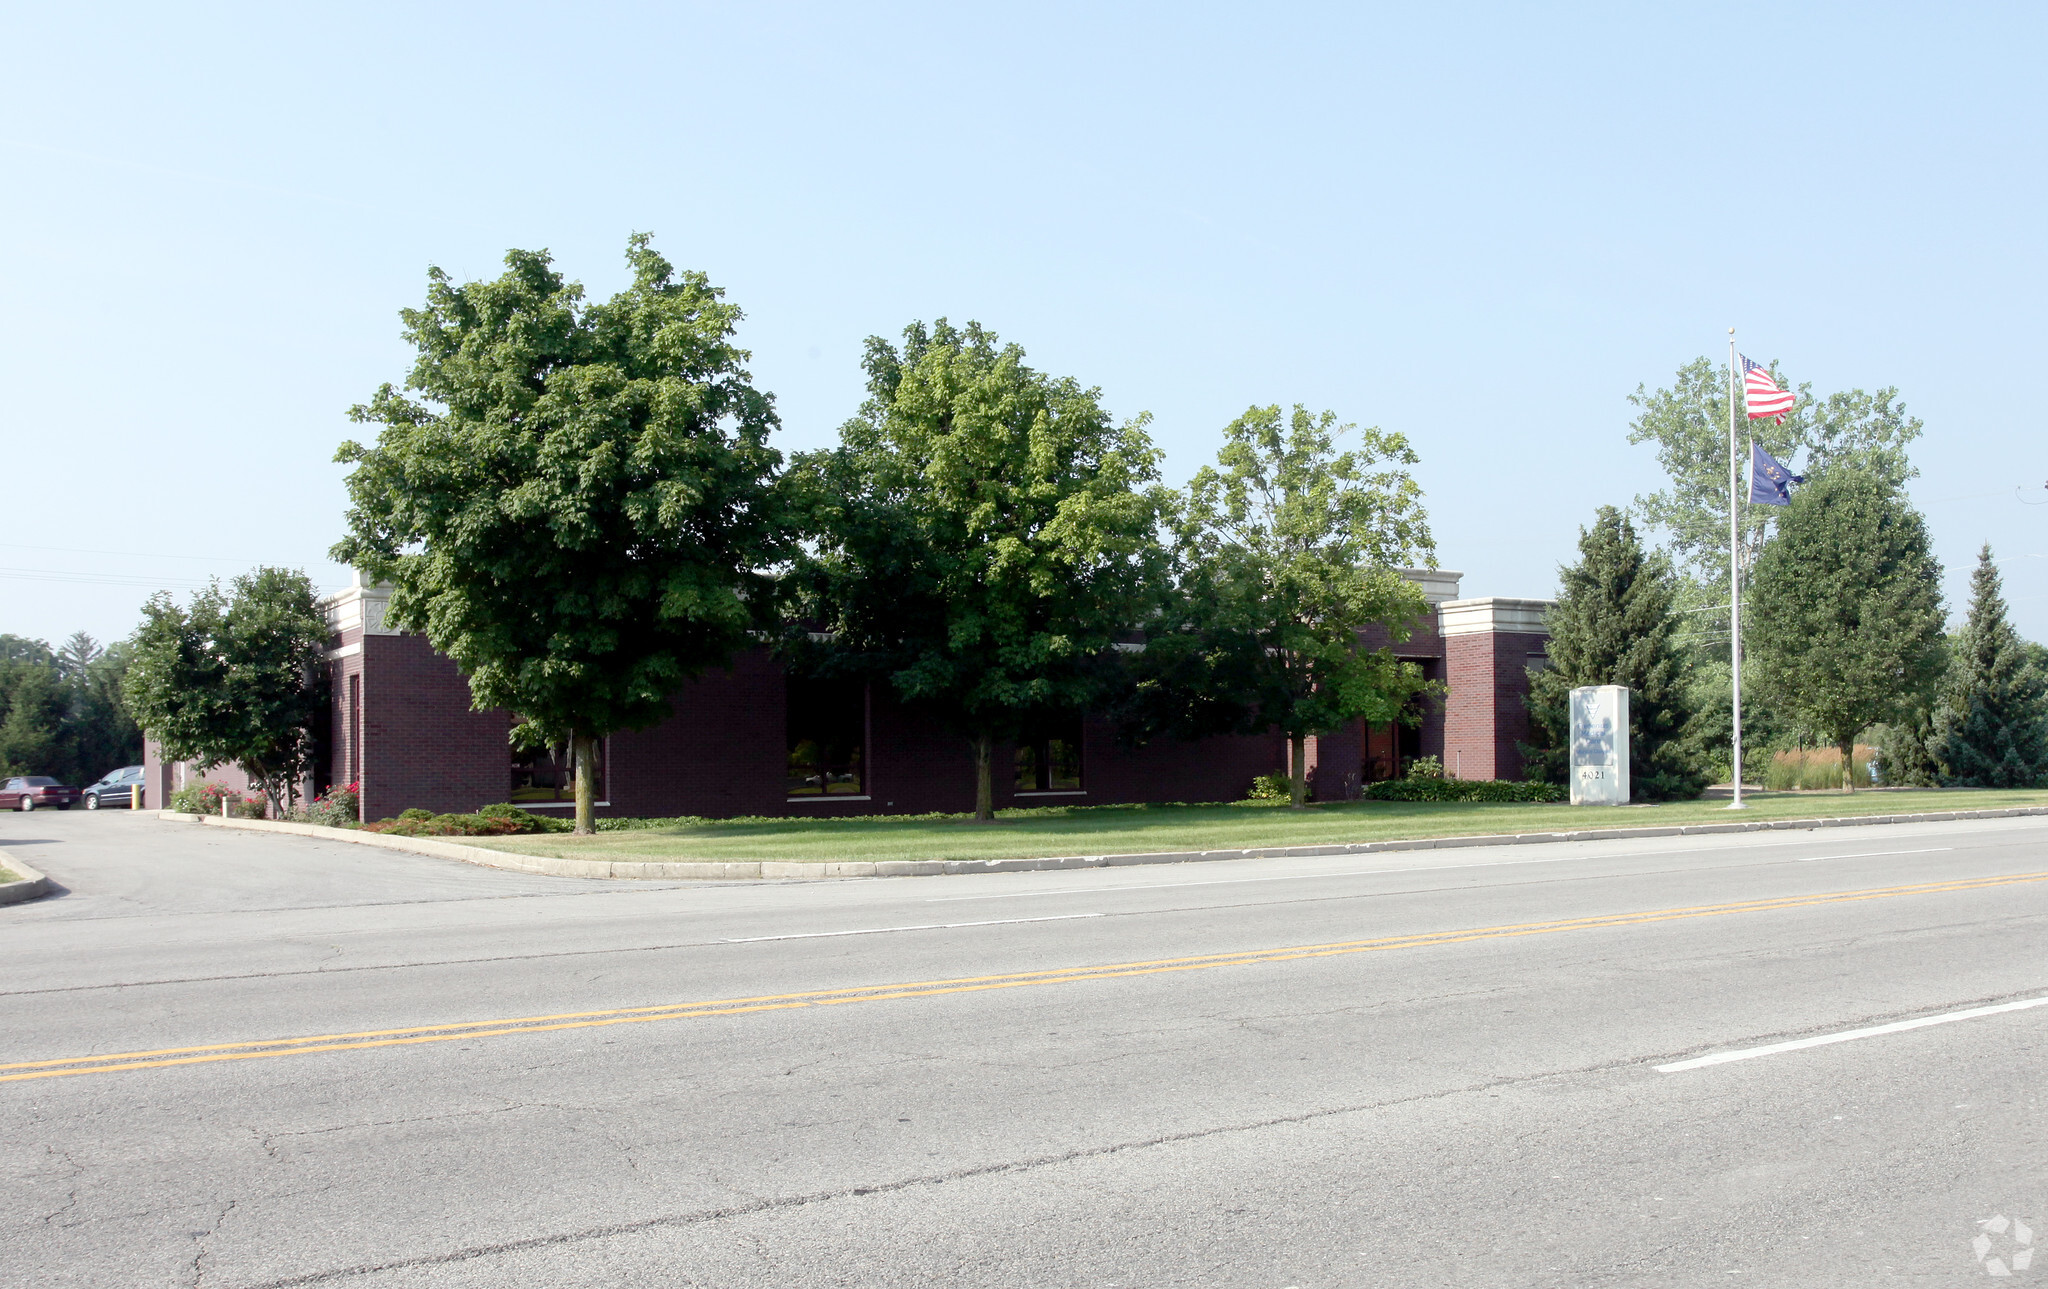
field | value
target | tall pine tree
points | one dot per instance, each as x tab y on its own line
1994	716
1613	625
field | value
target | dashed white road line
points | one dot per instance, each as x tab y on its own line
1848	1035
928	926
1415	868
1866	854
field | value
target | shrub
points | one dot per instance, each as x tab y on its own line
528	821
253	806
1426	789
491	821
336	808
1270	787
1814	767
1425	767
203	798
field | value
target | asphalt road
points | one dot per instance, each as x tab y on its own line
315	1064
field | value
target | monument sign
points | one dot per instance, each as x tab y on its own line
1600	745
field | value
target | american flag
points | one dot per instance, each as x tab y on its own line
1766	401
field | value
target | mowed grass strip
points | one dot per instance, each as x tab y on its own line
1113	830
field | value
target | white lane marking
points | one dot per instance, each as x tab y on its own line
1416	868
1896	1027
929	926
1866	854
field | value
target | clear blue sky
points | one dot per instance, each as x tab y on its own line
1480	225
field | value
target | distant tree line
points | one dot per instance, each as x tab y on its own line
61	710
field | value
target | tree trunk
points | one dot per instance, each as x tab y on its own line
984	779
1297	771
586	782
1849	764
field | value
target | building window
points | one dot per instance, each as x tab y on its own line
1049	760
355	730
826	728
547	776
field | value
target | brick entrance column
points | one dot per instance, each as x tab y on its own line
1489	645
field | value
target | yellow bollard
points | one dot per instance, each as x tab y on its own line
135	796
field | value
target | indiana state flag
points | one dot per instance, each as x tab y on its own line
1770	483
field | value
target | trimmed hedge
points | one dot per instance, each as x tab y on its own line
492	821
1464	790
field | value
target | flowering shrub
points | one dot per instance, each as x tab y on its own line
203	798
335	808
253	806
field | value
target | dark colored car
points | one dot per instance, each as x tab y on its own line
117	789
35	791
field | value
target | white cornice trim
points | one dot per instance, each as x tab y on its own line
1493	613
1438	584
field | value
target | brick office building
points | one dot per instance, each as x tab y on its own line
753	741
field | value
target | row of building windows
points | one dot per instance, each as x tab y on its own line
826	736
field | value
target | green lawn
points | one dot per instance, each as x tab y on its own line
1106	830
8	875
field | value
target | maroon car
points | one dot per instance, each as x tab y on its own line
34	792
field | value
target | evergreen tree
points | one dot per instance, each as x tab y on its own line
1845	616
1613	625
1993	722
1909	749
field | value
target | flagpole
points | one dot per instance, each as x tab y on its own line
1734	581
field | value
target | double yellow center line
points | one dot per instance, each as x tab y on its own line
263	1049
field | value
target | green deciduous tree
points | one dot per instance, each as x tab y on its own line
1845	615
32	710
1614	625
574	501
983	536
1688	423
237	677
1992	725
1288	550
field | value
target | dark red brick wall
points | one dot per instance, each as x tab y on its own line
720	753
1487	710
423	745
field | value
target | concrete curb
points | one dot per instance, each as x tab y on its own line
757	870
415	845
33	885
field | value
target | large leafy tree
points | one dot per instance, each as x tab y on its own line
235	677
983	536
1289	551
1845	614
1614	624
1688	423
574	501
1993	720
